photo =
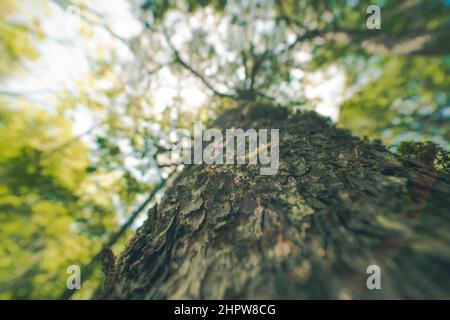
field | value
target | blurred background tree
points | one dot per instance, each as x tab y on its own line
155	65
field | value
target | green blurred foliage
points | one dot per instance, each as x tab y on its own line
58	205
408	99
50	213
18	29
394	98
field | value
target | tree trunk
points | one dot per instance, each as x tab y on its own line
337	205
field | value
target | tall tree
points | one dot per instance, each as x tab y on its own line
338	203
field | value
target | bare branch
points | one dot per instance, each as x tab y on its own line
184	64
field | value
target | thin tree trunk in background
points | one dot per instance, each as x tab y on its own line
337	205
426	43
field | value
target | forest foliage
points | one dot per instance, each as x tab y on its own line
63	195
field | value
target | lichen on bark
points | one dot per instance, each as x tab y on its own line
337	205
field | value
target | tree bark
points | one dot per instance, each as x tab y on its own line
337	205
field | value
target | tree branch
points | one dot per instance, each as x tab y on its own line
184	64
411	42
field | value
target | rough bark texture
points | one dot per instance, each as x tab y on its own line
337	205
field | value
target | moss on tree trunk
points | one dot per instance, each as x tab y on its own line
337	205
